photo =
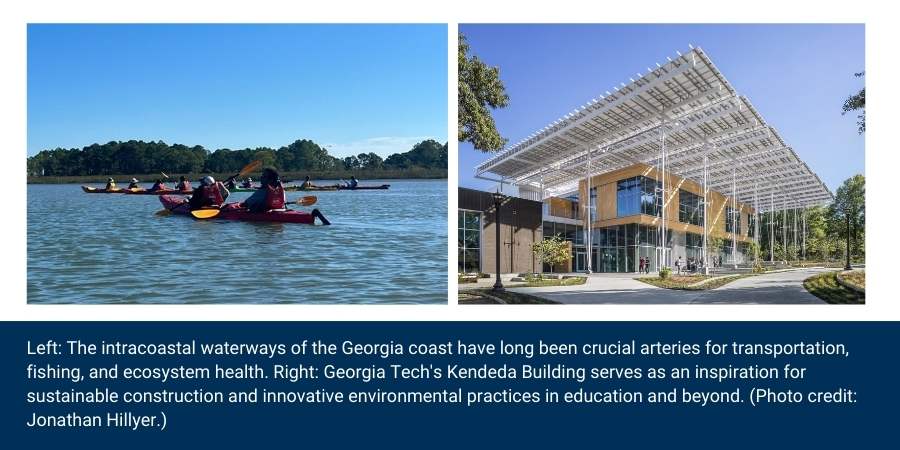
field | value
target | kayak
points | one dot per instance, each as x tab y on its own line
336	188
159	192
93	190
134	191
233	211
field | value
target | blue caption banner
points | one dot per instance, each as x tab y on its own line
449	384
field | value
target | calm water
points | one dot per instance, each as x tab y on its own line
382	247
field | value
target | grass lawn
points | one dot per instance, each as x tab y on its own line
687	282
483	297
826	287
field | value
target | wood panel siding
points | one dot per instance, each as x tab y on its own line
607	183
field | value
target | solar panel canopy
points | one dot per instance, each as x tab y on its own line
685	106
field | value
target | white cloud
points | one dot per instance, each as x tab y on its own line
381	146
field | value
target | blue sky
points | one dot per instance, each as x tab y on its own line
797	76
354	88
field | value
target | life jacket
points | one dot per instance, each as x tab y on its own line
274	197
184	186
212	195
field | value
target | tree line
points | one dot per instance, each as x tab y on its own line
140	157
826	228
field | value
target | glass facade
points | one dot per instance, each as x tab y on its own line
573	234
619	248
690	208
751	228
637	195
593	204
732	220
693	246
469	241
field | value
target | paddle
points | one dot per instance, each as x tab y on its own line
210	213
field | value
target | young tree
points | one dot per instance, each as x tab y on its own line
479	88
857	102
553	251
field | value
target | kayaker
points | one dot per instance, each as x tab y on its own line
270	194
110	184
158	186
307	184
183	184
352	183
248	183
209	193
134	184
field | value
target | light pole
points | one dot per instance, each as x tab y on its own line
498	200
847	266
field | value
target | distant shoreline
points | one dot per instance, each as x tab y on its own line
415	173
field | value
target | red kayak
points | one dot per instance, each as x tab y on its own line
233	211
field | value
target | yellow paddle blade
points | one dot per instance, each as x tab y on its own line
308	200
205	213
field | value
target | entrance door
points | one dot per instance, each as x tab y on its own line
580	260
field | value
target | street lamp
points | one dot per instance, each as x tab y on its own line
847	266
498	199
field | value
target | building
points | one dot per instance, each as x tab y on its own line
675	164
520	226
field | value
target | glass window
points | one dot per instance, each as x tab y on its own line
469	241
651	198
637	195
593	204
751	225
690	208
732	220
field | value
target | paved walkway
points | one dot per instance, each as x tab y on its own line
774	288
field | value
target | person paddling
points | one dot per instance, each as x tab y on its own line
110	184
209	193
248	183
134	184
307	183
269	196
158	186
183	184
352	183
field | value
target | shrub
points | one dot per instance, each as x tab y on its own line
665	273
758	267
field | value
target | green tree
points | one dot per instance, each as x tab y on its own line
850	200
857	102
478	89
553	251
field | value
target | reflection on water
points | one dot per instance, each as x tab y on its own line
382	247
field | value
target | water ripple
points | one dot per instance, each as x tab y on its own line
383	247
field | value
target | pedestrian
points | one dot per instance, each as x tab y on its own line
641	265
678	265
